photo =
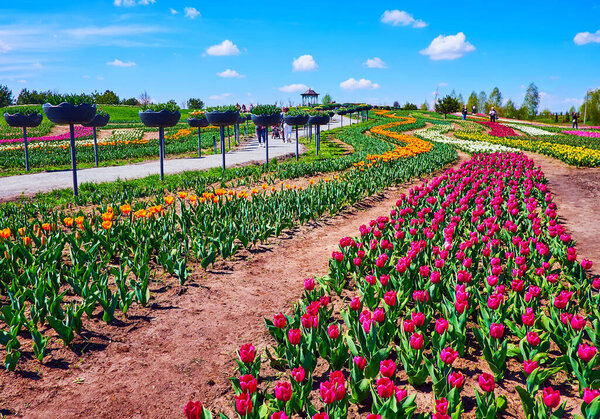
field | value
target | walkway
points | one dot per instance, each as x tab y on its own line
29	185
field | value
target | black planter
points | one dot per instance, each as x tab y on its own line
198	122
318	119
162	119
66	113
241	119
342	112
222	119
23	121
98	121
267	120
296	120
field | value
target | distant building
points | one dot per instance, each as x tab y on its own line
309	98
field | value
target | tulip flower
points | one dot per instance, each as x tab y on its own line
448	355
528	317
486	382
356	304
401	394
390	298
385	388
456	379
373	416
589	395
496	330
387	368
578	322
279	415
441	406
279	321
441	325
248	383
551	397
586	352
321	416
247	353
333	331
533	339
360	362
529	366
416	341
294	336
193	410
418	318
283	391
298	374
243	404
309	284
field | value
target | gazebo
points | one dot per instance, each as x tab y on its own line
309	98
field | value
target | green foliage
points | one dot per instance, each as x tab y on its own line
73	99
472	101
157	107
266	110
410	107
107	98
532	100
425	106
326	99
297	111
6	97
24	110
447	105
222	108
195	103
130	102
593	108
100	111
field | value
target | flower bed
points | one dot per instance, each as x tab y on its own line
589	134
80	132
530	130
498	130
436	133
471	262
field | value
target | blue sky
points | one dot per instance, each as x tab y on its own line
354	50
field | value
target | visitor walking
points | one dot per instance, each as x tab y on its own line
473	109
493	115
575	118
287	133
259	135
464	112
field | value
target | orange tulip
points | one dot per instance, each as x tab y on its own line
47	226
22	231
107	224
140	213
182	195
27	241
68	221
125	209
107	216
169	200
5	233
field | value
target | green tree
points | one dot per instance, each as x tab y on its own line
447	105
326	99
107	98
532	100
396	104
494	101
131	101
461	99
34	97
481	102
6	97
510	110
425	106
195	103
592	113
453	94
410	107
472	101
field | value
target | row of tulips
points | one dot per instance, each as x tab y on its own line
472	261
498	130
106	259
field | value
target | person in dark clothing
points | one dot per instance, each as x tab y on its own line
473	110
575	118
464	112
493	115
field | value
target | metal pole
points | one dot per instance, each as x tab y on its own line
199	142
267	144
223	145
309	133
73	160
342	120
228	138
214	145
318	138
161	147
296	142
95	148
26	149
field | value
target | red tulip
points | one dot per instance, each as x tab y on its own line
528	317
193	410
529	366
327	391
379	315
456	379
279	415
279	320
324	300
496	330
441	325
486	382
243	404
385	388
401	394
248	383
387	368
416	341
360	362
373	416
338	256
435	277
390	298
586	352
551	397
589	395
321	416
355	304
418	318
533	339
283	391
298	374
408	325
247	353
333	331
441	406
294	336
448	355
309	284
578	322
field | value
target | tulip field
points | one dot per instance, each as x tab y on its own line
467	298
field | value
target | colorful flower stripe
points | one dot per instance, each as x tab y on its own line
498	130
573	155
80	132
436	133
588	134
529	130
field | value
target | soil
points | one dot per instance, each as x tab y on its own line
182	347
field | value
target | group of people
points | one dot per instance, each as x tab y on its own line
493	113
283	130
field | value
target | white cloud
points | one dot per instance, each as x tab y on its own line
448	47
442	84
224	48
401	18
4	47
304	63
583	38
230	74
295	87
222	96
574	100
131	3
353	84
118	63
112	30
173	11
191	12
375	62
147	2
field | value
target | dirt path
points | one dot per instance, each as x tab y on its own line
183	346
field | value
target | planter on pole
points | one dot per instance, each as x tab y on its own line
161	120
296	121
18	120
198	123
222	119
99	120
267	121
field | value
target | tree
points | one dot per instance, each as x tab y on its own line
195	103
131	102
396	104
6	97
410	107
447	105
592	113
532	100
425	106
453	94
510	110
32	98
481	101
472	101
326	99
107	98
494	101
461	99
145	98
